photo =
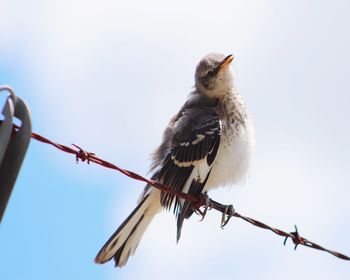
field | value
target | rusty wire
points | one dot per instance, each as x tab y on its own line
83	155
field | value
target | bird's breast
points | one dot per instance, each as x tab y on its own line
233	158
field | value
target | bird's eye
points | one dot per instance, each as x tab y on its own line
211	74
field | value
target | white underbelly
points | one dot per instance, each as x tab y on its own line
233	159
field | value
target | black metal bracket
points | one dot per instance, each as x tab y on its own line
13	143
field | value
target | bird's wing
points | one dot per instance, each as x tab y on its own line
194	144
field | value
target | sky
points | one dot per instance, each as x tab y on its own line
108	76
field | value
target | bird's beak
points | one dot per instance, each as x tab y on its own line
226	62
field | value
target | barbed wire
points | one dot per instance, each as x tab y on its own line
198	202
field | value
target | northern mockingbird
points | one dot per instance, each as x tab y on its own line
206	144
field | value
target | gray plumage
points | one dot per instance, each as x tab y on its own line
206	144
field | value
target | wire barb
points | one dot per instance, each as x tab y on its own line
297	240
83	155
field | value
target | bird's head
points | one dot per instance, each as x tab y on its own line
213	75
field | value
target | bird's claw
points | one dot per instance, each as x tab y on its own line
226	216
206	203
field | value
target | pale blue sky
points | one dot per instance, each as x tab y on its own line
108	75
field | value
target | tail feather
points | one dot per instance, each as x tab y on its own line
124	241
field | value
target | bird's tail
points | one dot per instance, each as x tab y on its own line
124	241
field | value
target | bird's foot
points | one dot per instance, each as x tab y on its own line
205	202
226	215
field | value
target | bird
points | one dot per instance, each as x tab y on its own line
207	144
